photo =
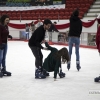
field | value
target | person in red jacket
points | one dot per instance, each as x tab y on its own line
97	79
4	34
98	39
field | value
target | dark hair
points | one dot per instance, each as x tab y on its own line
2	19
55	22
32	23
47	21
76	12
63	53
26	24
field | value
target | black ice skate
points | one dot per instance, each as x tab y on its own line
39	74
68	65
61	74
78	67
5	73
97	79
1	74
45	73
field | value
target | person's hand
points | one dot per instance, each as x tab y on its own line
9	36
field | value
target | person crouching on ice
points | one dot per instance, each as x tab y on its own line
53	61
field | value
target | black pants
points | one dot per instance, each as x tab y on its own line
38	56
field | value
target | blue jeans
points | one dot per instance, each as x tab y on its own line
27	36
76	41
3	56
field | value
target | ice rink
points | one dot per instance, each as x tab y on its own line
22	85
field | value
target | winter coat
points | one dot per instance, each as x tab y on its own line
37	37
51	63
98	39
75	25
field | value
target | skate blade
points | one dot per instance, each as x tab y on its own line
40	77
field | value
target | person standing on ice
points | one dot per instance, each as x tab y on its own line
35	46
97	79
75	30
4	34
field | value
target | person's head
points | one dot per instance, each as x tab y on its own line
26	24
39	20
47	24
32	23
63	55
76	12
54	23
4	20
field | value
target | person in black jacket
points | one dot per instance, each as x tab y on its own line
74	37
54	59
53	28
35	45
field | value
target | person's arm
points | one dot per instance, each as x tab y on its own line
55	29
9	36
1	45
81	27
48	46
56	70
38	44
38	35
0	36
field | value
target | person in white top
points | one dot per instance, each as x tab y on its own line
39	23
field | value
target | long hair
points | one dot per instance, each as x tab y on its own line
63	54
2	19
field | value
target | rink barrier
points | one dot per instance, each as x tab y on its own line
87	40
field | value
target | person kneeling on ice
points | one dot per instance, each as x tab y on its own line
53	61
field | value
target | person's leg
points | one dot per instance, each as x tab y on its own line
4	56
38	62
1	57
27	36
77	44
70	44
4	61
38	56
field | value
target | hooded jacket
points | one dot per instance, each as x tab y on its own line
75	25
4	33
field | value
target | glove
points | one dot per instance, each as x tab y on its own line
1	46
9	36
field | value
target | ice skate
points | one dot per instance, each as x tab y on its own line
97	79
68	66
6	73
1	74
61	74
45	72
78	67
39	74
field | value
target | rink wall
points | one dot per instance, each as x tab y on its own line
15	32
87	36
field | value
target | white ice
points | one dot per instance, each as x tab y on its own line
22	85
